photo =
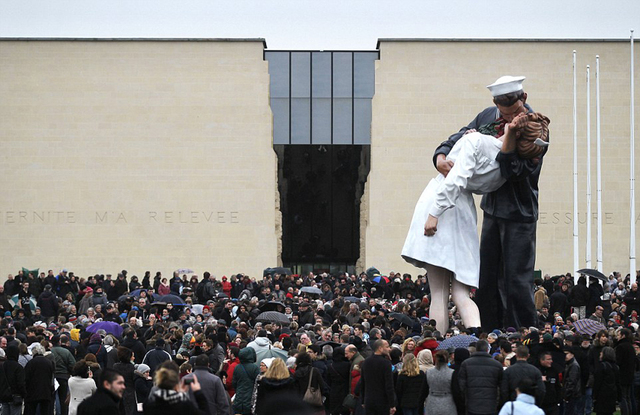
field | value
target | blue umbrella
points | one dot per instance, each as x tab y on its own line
108	326
380	279
170	298
136	293
461	340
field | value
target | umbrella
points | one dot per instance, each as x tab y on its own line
593	273
380	279
352	299
125	297
273	317
197	308
311	290
461	340
277	270
108	326
588	326
136	293
33	272
271	352
184	271
32	302
273	306
402	318
170	298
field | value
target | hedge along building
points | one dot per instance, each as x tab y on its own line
158	155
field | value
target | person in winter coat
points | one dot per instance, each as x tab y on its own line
106	400
338	376
126	368
276	384
480	377
81	386
552	385
234	361
143	384
571	388
64	362
39	374
428	342
157	355
211	387
171	396
606	383
306	375
244	377
460	355
86	302
48	303
12	383
626	360
517	371
411	386
439	399
97	348
579	297
524	403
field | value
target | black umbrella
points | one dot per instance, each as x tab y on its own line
273	306
273	317
277	270
593	273
311	290
402	318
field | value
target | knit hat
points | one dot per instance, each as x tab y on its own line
142	368
267	362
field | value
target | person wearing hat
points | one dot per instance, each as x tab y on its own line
571	382
448	208
155	356
510	214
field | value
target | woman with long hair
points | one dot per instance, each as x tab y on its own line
440	400
275	384
408	346
81	385
411	386
171	396
606	383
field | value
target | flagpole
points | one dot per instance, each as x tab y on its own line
575	175
588	253
598	169
632	227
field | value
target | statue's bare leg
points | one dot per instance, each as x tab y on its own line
466	306
439	284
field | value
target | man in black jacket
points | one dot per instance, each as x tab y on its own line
507	246
107	398
552	387
518	371
12	382
479	380
626	360
376	380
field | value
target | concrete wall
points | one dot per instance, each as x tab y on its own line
426	90
136	155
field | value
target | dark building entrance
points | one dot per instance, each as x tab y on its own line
320	191
322	107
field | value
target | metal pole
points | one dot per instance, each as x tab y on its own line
598	168
632	194
589	219
575	175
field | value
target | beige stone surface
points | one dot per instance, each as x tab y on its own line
136	155
427	90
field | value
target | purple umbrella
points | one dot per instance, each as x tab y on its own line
108	326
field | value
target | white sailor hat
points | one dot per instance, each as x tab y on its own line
506	85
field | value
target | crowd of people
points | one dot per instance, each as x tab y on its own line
316	344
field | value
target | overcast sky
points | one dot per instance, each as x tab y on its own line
318	24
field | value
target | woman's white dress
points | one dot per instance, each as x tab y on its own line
455	245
